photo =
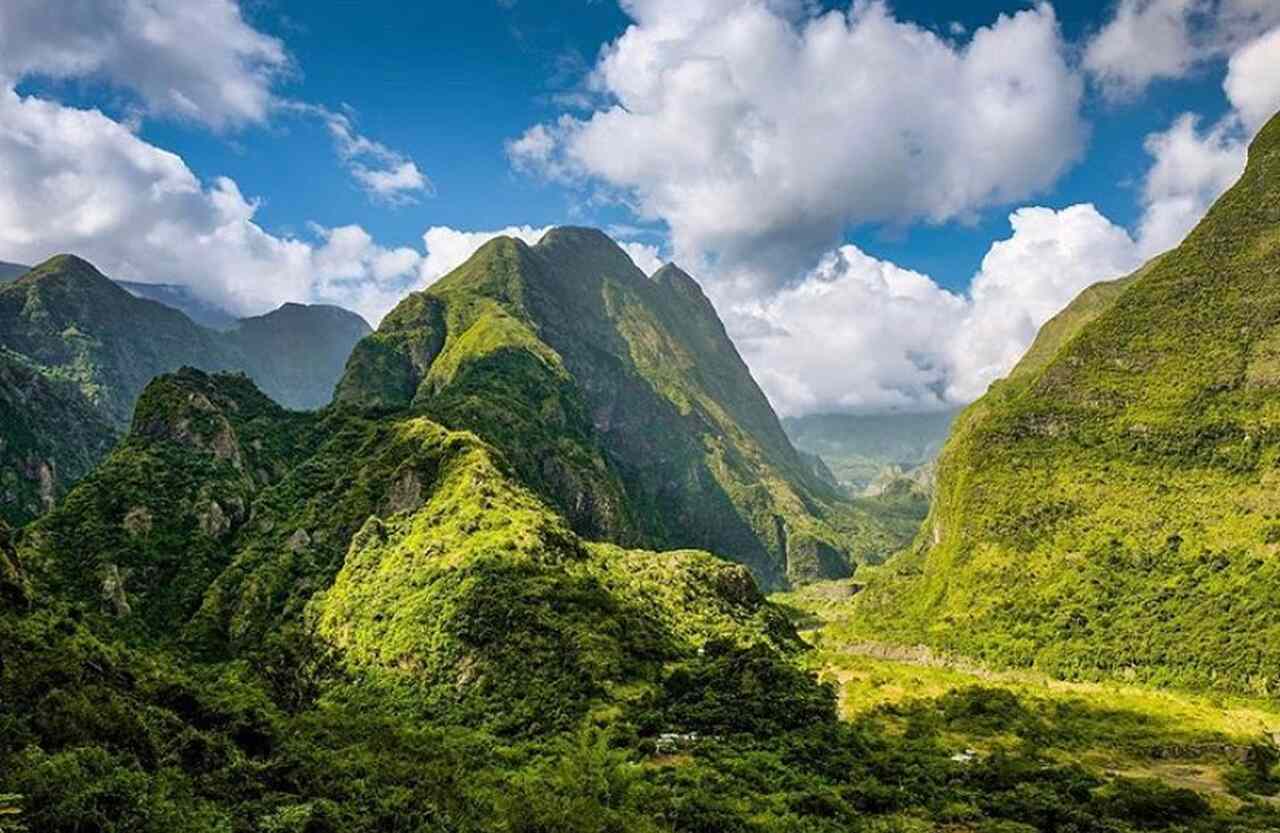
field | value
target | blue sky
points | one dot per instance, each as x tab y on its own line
448	84
249	99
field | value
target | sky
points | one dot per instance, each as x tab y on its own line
884	200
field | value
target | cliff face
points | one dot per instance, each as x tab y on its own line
619	398
1112	505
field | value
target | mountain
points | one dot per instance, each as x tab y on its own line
52	436
858	448
619	398
185	301
12	271
1111	508
360	619
79	349
66	317
297	353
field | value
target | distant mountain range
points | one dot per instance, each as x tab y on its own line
859	449
77	343
181	298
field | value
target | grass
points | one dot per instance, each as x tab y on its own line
1195	740
1110	510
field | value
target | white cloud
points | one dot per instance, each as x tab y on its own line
758	133
1148	40
1027	279
197	59
75	180
384	174
1191	169
647	257
1253	79
864	334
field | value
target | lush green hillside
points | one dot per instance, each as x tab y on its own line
52	436
858	448
619	398
1111	508
252	619
79	349
67	318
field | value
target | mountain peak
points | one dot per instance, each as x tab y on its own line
573	248
69	269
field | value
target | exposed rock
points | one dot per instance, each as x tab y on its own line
48	484
114	599
224	444
213	521
405	494
298	541
137	522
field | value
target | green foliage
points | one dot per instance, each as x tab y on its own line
77	350
1109	509
620	400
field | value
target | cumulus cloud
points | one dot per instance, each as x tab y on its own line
228	82
76	180
1191	169
759	131
148	47
1194	164
1148	40
861	334
1253	79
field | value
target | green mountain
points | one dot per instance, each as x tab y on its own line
297	353
52	436
619	398
359	619
858	448
1111	507
79	349
70	320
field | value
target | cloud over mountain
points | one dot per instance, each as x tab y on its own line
862	334
758	132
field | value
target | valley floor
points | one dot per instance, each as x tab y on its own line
1222	747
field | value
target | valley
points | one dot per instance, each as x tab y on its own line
1219	745
537	554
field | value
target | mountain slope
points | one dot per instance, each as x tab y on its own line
185	301
66	317
297	353
619	398
1112	506
52	436
79	349
222	518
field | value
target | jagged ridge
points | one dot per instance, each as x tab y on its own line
618	397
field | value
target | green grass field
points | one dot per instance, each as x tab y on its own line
1224	747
